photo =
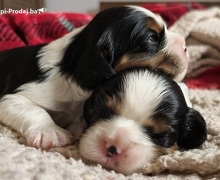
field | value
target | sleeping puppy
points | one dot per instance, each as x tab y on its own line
43	88
137	116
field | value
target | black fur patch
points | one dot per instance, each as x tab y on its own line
19	66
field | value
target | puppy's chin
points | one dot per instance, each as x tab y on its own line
118	144
177	47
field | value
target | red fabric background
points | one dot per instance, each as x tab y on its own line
19	29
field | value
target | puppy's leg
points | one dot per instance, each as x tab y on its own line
33	122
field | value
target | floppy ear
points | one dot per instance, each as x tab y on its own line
95	65
192	130
92	70
100	68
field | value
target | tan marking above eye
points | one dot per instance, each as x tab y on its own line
114	103
153	24
158	126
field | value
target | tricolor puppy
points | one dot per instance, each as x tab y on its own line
43	88
136	116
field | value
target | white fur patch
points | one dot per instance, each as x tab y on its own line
185	91
32	121
52	53
143	91
134	148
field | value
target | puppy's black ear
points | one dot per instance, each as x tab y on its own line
192	130
103	67
92	70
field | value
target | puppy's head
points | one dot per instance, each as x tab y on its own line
123	37
141	39
136	116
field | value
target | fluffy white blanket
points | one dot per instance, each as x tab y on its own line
201	29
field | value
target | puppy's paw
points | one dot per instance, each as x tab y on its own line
48	137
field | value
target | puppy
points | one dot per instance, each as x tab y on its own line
136	116
43	88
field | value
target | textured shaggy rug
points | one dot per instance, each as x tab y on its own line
19	162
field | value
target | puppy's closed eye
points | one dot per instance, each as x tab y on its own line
161	133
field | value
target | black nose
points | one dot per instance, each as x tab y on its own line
112	150
185	49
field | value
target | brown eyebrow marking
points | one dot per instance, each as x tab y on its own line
157	125
154	25
114	103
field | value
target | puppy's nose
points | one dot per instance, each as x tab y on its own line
112	150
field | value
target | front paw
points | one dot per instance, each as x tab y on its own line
48	137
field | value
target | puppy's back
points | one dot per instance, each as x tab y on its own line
18	66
